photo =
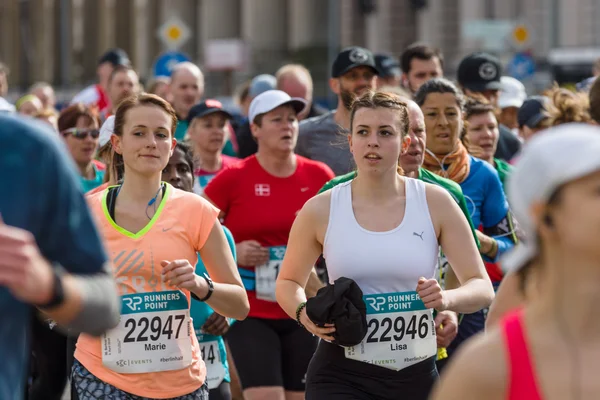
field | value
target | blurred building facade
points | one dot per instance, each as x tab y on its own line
59	41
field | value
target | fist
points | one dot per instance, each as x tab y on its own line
431	294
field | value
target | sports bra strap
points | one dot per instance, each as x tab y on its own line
522	384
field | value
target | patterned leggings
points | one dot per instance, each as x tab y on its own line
88	387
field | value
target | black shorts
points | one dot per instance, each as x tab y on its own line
271	352
331	376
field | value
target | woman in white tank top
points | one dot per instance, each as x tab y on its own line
383	231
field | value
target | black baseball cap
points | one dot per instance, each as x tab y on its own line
532	112
387	66
209	106
480	71
115	57
352	57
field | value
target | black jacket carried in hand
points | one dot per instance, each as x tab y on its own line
341	304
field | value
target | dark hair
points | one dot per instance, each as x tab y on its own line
118	69
439	85
420	51
69	116
187	153
137	100
594	96
378	99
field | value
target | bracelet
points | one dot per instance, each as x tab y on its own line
301	307
211	288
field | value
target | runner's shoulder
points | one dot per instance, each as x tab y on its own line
483	360
338	180
482	170
452	187
317	208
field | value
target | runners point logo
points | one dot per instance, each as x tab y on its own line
133	302
376	302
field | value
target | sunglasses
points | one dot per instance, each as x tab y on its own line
81	133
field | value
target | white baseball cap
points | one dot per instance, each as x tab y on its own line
270	100
512	93
106	130
549	160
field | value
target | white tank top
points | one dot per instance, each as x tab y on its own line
381	262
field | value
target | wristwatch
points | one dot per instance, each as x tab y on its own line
58	292
211	288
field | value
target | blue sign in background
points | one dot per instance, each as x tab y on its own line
165	62
522	66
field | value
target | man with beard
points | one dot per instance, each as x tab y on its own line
323	138
123	82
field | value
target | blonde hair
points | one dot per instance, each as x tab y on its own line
567	106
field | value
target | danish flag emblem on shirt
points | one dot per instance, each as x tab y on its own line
262	189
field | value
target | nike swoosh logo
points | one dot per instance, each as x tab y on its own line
166	229
304	189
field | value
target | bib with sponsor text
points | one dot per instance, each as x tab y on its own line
153	334
401	331
266	274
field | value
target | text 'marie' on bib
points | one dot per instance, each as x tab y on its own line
401	331
153	334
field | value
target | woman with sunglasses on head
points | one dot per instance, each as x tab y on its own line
154	233
79	126
546	349
447	155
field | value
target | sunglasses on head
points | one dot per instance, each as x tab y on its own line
81	133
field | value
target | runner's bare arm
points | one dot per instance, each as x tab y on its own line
477	371
304	248
456	239
229	297
508	297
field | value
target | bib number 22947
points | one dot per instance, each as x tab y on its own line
153	334
401	331
266	274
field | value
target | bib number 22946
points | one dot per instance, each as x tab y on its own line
153	334
266	274
401	331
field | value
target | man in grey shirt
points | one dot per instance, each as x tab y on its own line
323	138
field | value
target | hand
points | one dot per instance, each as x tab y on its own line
251	253
180	273
432	294
216	325
23	270
446	327
325	333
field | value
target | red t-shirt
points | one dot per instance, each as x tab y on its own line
259	206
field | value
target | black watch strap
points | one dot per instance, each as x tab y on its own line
58	292
211	288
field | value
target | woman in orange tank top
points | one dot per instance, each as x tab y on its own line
153	233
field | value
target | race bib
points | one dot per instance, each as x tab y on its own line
153	334
401	331
211	354
266	275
